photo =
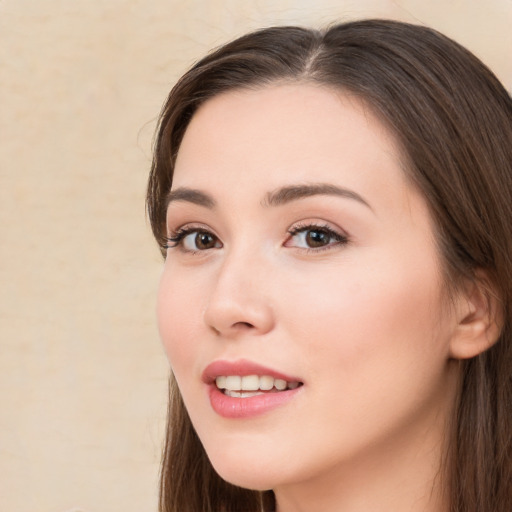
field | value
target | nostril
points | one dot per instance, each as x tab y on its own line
243	325
238	326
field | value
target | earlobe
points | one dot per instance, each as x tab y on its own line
479	314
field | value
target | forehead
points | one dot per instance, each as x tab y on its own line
266	138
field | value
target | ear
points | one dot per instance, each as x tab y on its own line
479	319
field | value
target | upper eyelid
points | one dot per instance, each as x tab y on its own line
300	225
190	226
305	227
186	229
318	224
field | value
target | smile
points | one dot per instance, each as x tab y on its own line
244	389
247	386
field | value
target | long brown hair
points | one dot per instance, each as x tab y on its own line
454	122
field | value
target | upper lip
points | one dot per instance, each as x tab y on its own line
241	367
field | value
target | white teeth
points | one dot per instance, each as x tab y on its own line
232	385
234	382
221	382
250	383
280	384
266	382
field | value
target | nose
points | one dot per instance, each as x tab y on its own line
239	302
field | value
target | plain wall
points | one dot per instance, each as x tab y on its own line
83	378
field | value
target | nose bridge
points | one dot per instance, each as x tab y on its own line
239	300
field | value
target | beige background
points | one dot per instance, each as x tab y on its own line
82	373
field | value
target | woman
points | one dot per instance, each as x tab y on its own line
335	211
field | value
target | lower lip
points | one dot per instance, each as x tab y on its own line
232	407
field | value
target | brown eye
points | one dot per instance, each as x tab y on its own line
204	240
317	238
194	240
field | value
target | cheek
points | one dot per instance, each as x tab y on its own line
370	318
374	351
177	317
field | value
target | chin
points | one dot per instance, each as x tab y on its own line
251	483
254	476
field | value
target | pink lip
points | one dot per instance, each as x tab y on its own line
231	407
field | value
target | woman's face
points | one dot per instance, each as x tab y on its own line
301	258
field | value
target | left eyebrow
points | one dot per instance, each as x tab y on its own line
291	193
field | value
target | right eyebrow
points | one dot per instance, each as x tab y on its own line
291	193
190	195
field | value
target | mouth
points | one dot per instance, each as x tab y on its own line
247	386
245	389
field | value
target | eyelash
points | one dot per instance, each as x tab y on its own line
175	240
